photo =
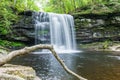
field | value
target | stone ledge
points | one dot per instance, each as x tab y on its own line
17	72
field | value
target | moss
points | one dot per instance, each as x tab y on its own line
9	44
99	46
99	9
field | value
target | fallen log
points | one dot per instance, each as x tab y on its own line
28	50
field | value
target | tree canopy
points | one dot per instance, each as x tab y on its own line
67	6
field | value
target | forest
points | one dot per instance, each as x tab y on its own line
10	10
84	33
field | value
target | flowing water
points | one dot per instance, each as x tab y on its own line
55	29
91	65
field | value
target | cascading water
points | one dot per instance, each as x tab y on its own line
55	29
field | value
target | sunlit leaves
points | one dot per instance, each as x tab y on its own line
9	10
6	43
66	6
22	5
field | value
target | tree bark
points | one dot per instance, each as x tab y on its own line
28	50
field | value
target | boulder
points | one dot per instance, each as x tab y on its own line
115	48
17	72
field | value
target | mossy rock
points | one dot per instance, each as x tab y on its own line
98	9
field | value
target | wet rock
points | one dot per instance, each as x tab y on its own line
17	72
24	30
115	48
27	13
97	26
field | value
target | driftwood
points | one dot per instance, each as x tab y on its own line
28	50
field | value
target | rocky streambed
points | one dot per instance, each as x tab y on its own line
16	72
113	47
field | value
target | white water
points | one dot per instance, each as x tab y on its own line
55	29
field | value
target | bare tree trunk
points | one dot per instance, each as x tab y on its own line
27	50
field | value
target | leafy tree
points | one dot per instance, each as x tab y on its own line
66	6
9	10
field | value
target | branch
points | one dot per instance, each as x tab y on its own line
28	50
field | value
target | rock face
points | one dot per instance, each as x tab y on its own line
97	26
101	21
24	29
97	21
17	72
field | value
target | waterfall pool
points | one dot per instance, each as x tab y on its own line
91	65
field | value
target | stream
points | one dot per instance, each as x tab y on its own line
91	65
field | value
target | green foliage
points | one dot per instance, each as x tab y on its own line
70	6
6	16
66	6
9	10
6	43
107	43
22	5
99	46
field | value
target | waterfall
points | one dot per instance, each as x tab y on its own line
55	29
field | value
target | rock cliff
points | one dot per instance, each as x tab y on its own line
99	21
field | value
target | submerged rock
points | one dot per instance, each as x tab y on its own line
17	72
115	48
